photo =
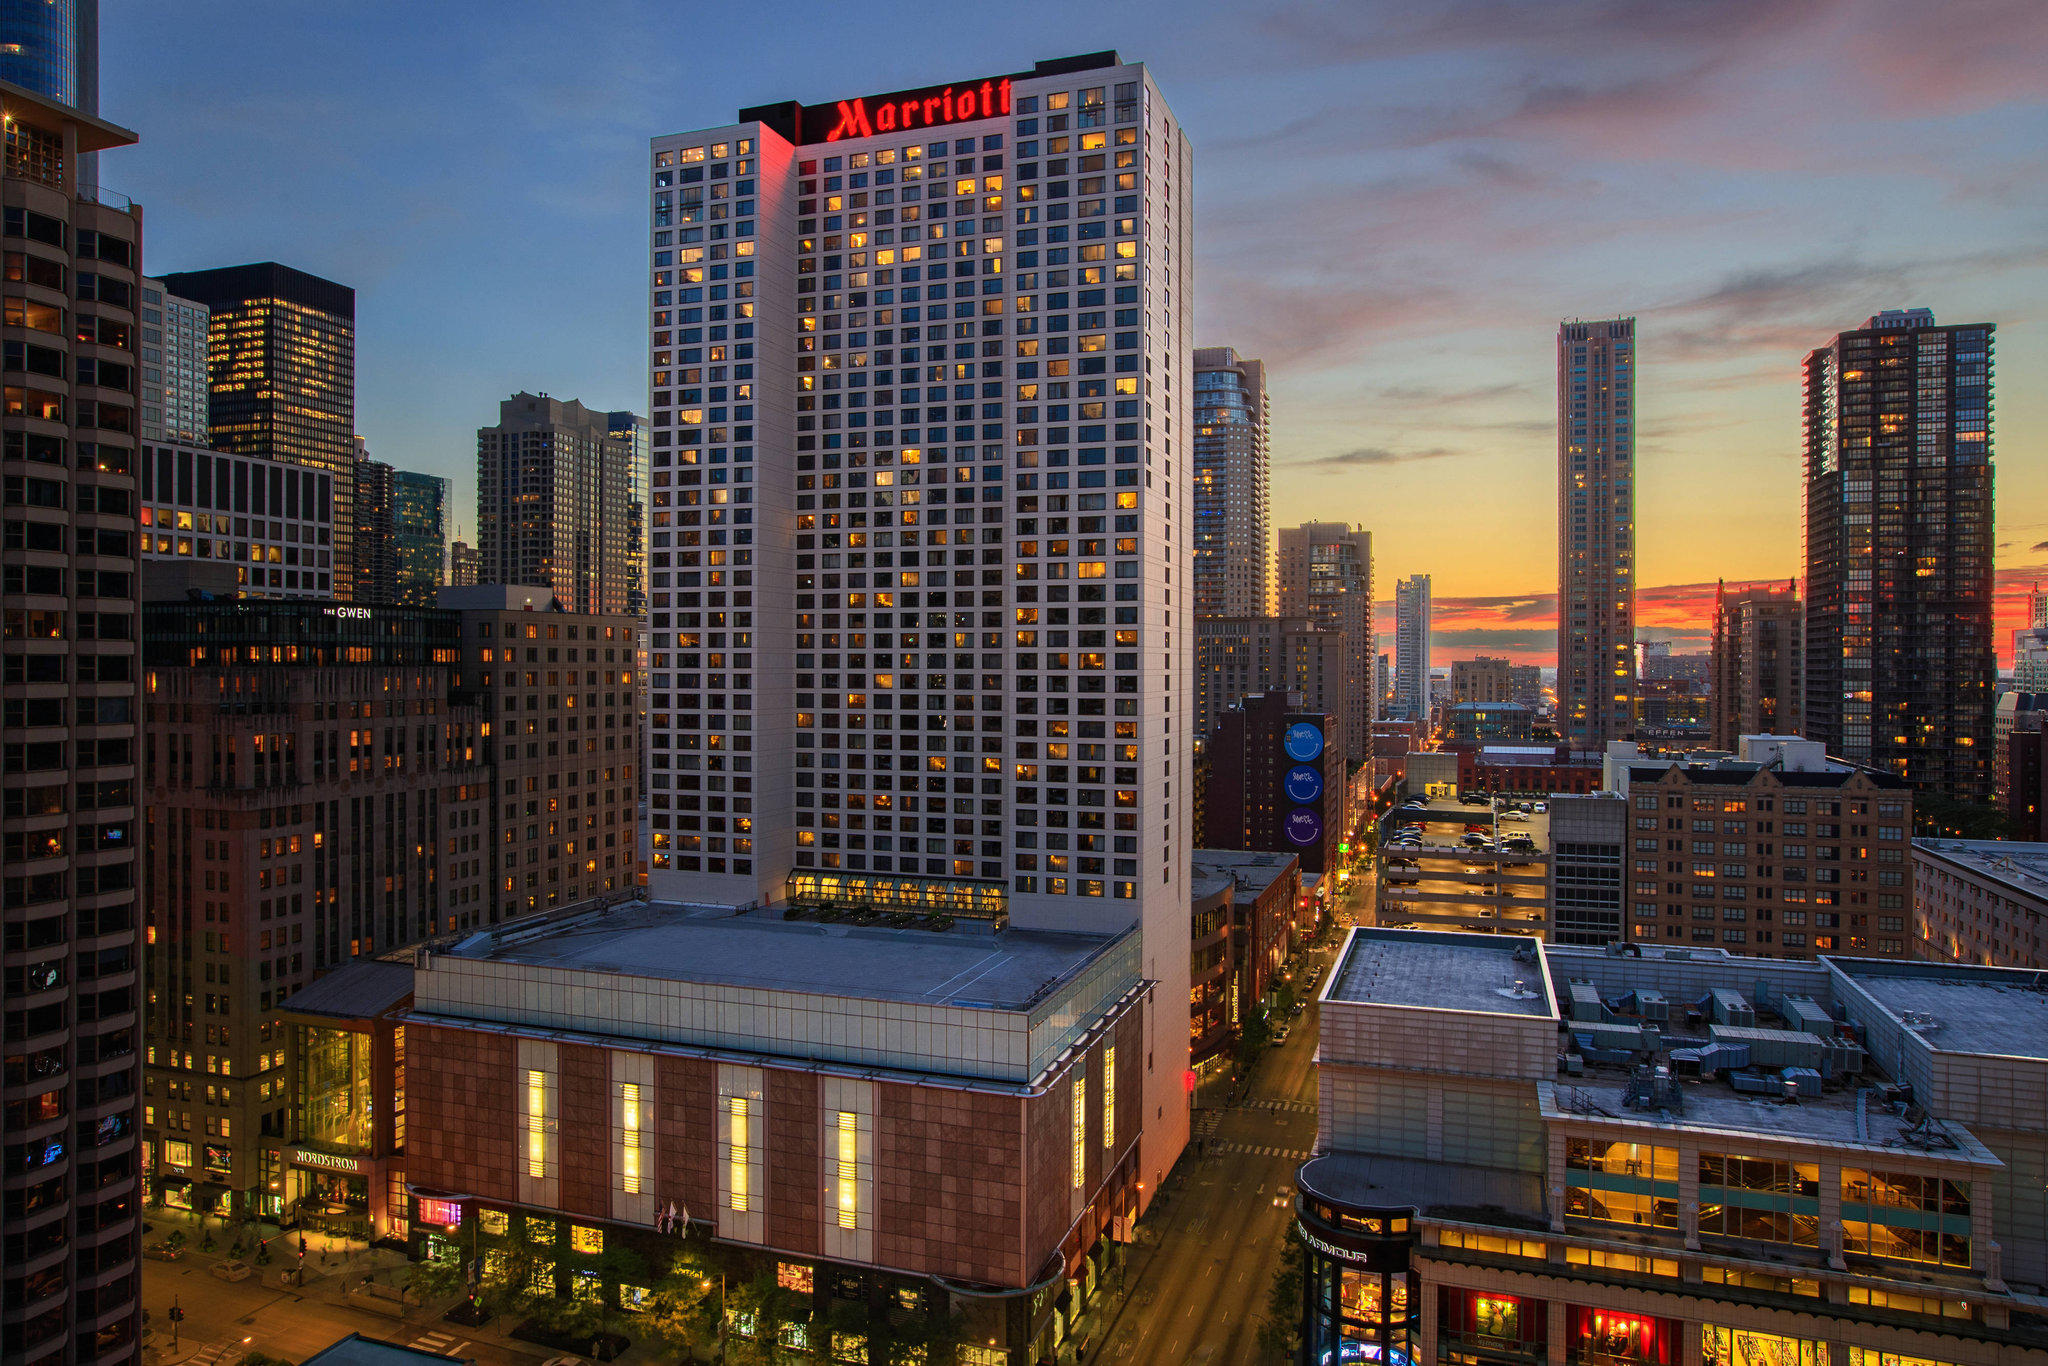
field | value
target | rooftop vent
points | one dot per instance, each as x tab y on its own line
1516	991
1922	1021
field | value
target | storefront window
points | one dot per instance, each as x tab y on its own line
1760	1198
1606	1337
1741	1347
1621	1183
1871	1356
585	1239
1906	1217
493	1221
335	1088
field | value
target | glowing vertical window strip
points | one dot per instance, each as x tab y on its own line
849	1169
737	1108
1080	1127
536	1122
629	1148
1109	1097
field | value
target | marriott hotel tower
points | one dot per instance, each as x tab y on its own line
919	547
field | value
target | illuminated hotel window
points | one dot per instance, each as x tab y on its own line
848	1133
630	1138
1109	1097
536	1122
1080	1122
741	1149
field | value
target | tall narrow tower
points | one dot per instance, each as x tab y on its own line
1596	531
1411	648
1233	557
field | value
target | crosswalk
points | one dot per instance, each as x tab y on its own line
1299	1107
441	1344
1262	1150
210	1354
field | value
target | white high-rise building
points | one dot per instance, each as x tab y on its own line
920	536
1411	648
176	389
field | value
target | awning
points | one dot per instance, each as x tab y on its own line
174	1182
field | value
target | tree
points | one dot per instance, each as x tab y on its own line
684	1307
1937	814
431	1279
1280	1328
510	1263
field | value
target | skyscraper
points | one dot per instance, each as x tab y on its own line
282	357
176	390
51	48
374	576
1233	465
2030	646
918	530
419	537
1759	665
1411	648
1596	531
1900	664
1326	576
465	565
631	428
70	1222
553	502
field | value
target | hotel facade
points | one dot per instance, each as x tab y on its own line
921	489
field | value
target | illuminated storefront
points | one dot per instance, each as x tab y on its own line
1479	1326
344	1166
1358	1294
1609	1337
1721	1346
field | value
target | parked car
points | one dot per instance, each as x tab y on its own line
1513	816
1473	839
1542	807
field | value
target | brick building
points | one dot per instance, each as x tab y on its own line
1276	781
1780	852
839	1097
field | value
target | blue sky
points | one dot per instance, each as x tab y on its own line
1395	203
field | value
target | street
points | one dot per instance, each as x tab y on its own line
1199	1291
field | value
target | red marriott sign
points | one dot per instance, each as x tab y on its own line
932	108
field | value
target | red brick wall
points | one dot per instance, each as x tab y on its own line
462	1120
947	1166
584	1109
792	1160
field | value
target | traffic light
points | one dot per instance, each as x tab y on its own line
177	1314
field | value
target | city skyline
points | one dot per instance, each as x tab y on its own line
1743	221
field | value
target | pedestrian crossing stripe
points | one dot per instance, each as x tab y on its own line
1305	1107
1257	1150
441	1344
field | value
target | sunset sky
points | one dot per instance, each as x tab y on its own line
1395	205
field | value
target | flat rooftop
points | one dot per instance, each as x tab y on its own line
1437	970
2020	866
2000	1012
967	966
1253	871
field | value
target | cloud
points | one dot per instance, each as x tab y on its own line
2038	546
1374	455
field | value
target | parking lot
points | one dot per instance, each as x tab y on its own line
1469	868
